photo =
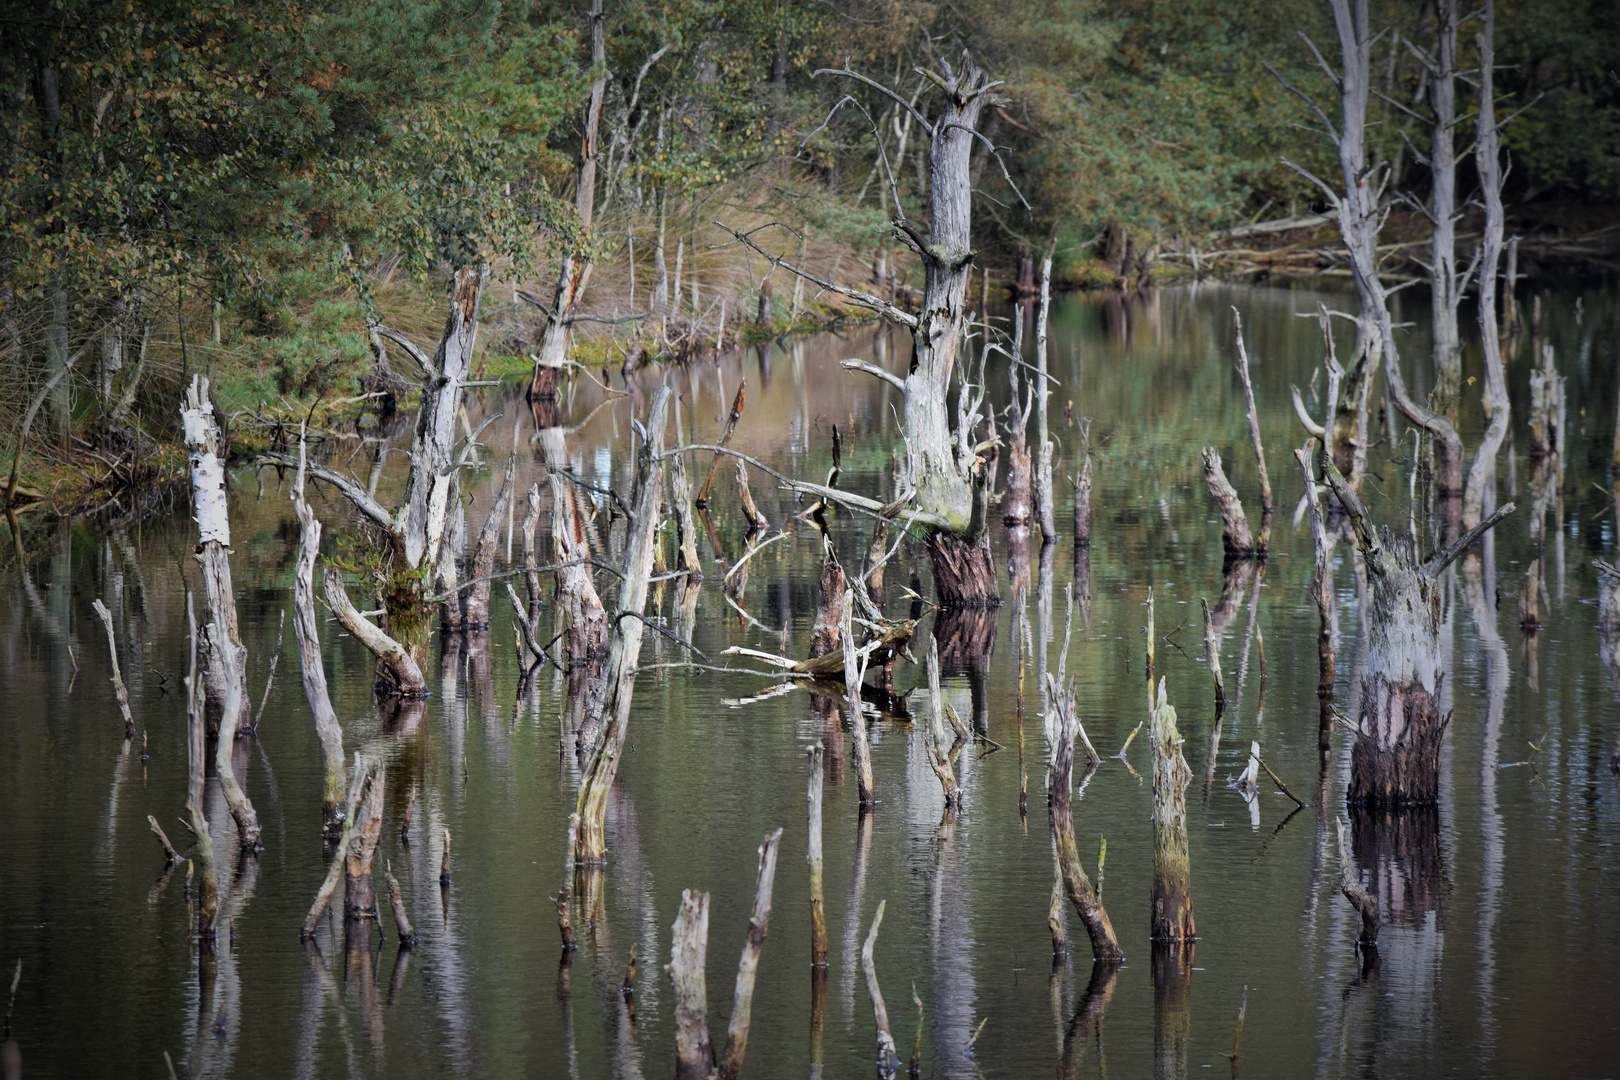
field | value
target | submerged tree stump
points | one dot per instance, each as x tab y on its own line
1172	869
1396	758
1059	783
1236	539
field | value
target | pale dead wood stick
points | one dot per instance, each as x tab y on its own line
888	1057
725	440
170	855
742	1002
117	677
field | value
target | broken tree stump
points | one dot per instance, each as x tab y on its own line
1236	539
1172	919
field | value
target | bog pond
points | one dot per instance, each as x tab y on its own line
1501	909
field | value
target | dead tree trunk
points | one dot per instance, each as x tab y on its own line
1366	906
1447	282
575	272
742	1002
401	672
1236	539
1015	505
1396	759
1059	784
939	755
1172	870
196	750
1254	436
680	490
818	907
943	468
888	1056
624	648
1045	511
1082	503
694	1053
210	509
1487	162
417	529
359	894
1327	657
827	633
476	612
307	627
854	675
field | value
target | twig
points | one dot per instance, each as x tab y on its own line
1281	786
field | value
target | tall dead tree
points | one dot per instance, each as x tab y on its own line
416	530
1361	208
1448	283
944	476
223	655
575	272
197	762
609	706
1487	162
1396	759
307	627
1045	509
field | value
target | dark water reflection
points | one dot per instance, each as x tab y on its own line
1518	871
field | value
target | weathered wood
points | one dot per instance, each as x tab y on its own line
1366	906
575	272
1546	407
742	1001
1172	913
565	895
444	861
196	749
1264	539
1447	281
757	522
1327	656
826	635
1396	758
307	629
119	689
732	417
888	1056
854	674
680	504
1059	784
694	1053
1015	504
1212	653
939	757
476	613
212	514
1082	503
396	664
624	649
531	555
170	856
334	870
225	674
1054	915
1045	509
818	907
359	893
1236	539
402	919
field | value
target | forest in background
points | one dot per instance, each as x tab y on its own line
240	188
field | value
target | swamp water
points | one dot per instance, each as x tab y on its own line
1502	911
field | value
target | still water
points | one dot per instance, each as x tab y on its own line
1502	918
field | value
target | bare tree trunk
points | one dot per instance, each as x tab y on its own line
1322	592
853	676
1487	162
1446	293
818	907
1045	510
888	1057
1059	783
1172	873
1082	503
742	1002
306	625
1396	759
694	1053
1254	436
359	894
624	649
196	751
934	736
1236	539
575	272
826	634
483	563
398	666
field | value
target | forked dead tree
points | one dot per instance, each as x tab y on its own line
1060	778
944	479
417	529
575	272
1396	759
